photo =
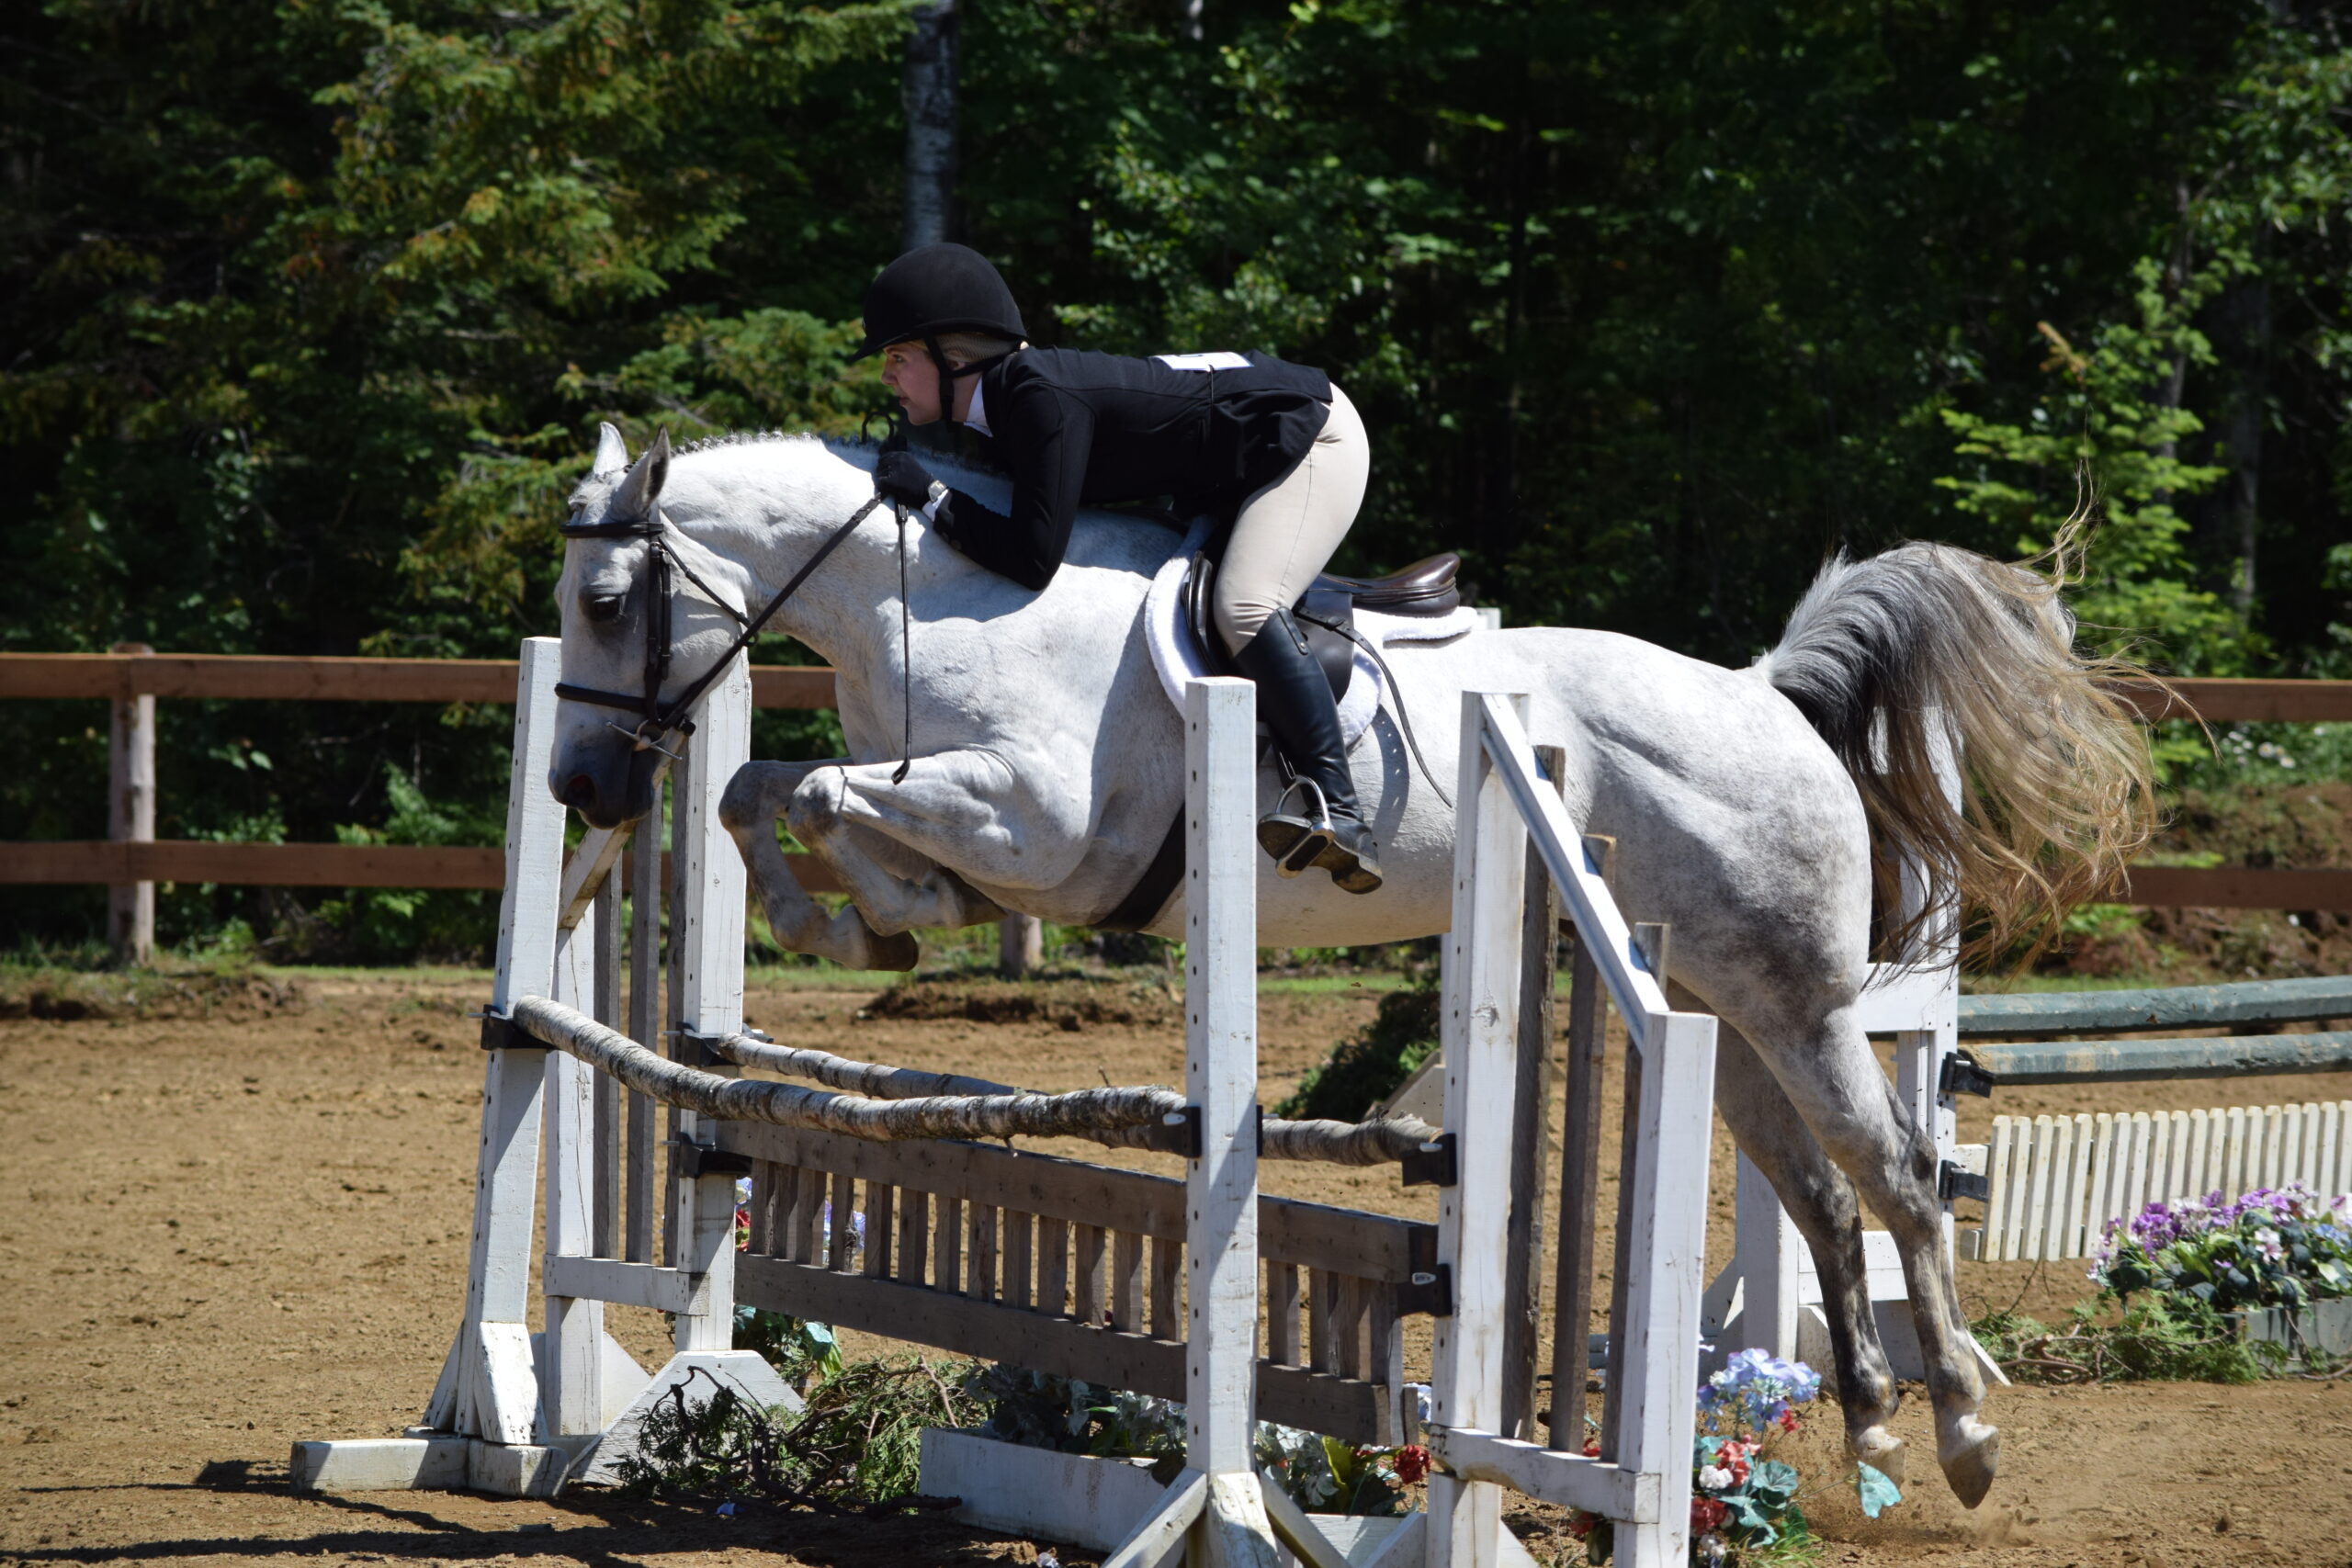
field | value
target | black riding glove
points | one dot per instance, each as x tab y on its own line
900	478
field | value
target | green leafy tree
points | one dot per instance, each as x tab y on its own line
2106	434
311	308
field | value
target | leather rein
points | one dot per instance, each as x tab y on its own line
659	718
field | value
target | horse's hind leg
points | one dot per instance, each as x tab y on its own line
1821	1200
1837	1087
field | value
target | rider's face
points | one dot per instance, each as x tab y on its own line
907	370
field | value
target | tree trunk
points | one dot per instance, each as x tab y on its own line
928	93
2245	332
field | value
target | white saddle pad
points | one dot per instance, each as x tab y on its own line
1176	654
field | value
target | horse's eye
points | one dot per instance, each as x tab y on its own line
603	607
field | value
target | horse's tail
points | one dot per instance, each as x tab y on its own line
1928	652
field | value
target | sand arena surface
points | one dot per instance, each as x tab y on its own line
223	1235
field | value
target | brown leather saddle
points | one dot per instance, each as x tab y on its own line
1327	611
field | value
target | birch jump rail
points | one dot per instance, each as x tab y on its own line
870	1209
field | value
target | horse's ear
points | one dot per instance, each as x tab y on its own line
638	493
612	452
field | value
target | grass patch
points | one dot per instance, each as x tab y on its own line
1067	1004
176	990
1333	984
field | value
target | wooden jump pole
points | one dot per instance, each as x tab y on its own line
1020	945
130	816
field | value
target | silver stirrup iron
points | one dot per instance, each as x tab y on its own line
1320	831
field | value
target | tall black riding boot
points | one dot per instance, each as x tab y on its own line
1294	700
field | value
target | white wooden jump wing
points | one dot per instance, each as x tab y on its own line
1642	1480
494	1395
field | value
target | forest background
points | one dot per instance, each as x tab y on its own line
309	309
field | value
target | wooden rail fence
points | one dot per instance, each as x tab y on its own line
132	861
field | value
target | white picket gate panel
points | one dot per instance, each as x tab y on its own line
2057	1180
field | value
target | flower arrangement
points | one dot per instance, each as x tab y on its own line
1743	1503
2282	1246
1326	1475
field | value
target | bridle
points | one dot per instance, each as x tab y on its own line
659	718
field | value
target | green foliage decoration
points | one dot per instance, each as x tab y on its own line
2156	1339
855	1446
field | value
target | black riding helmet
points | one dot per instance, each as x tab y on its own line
936	289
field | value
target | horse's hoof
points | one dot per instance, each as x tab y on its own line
1970	1460
899	952
1881	1449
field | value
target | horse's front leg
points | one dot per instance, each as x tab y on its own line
966	812
756	796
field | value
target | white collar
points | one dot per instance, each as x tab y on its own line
977	418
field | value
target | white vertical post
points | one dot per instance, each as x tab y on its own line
494	1393
130	812
1766	1251
570	1389
645	1017
1221	1083
1478	1030
1919	1057
707	927
1653	1352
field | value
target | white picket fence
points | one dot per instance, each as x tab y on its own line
2056	1181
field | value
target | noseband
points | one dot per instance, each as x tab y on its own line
659	718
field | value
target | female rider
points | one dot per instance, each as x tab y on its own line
1276	447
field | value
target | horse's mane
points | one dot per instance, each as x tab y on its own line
743	438
964	473
990	486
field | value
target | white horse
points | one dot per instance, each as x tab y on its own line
1758	810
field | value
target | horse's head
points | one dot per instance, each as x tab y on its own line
636	634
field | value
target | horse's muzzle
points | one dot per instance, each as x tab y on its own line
607	785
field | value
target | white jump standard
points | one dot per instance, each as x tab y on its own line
524	1414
